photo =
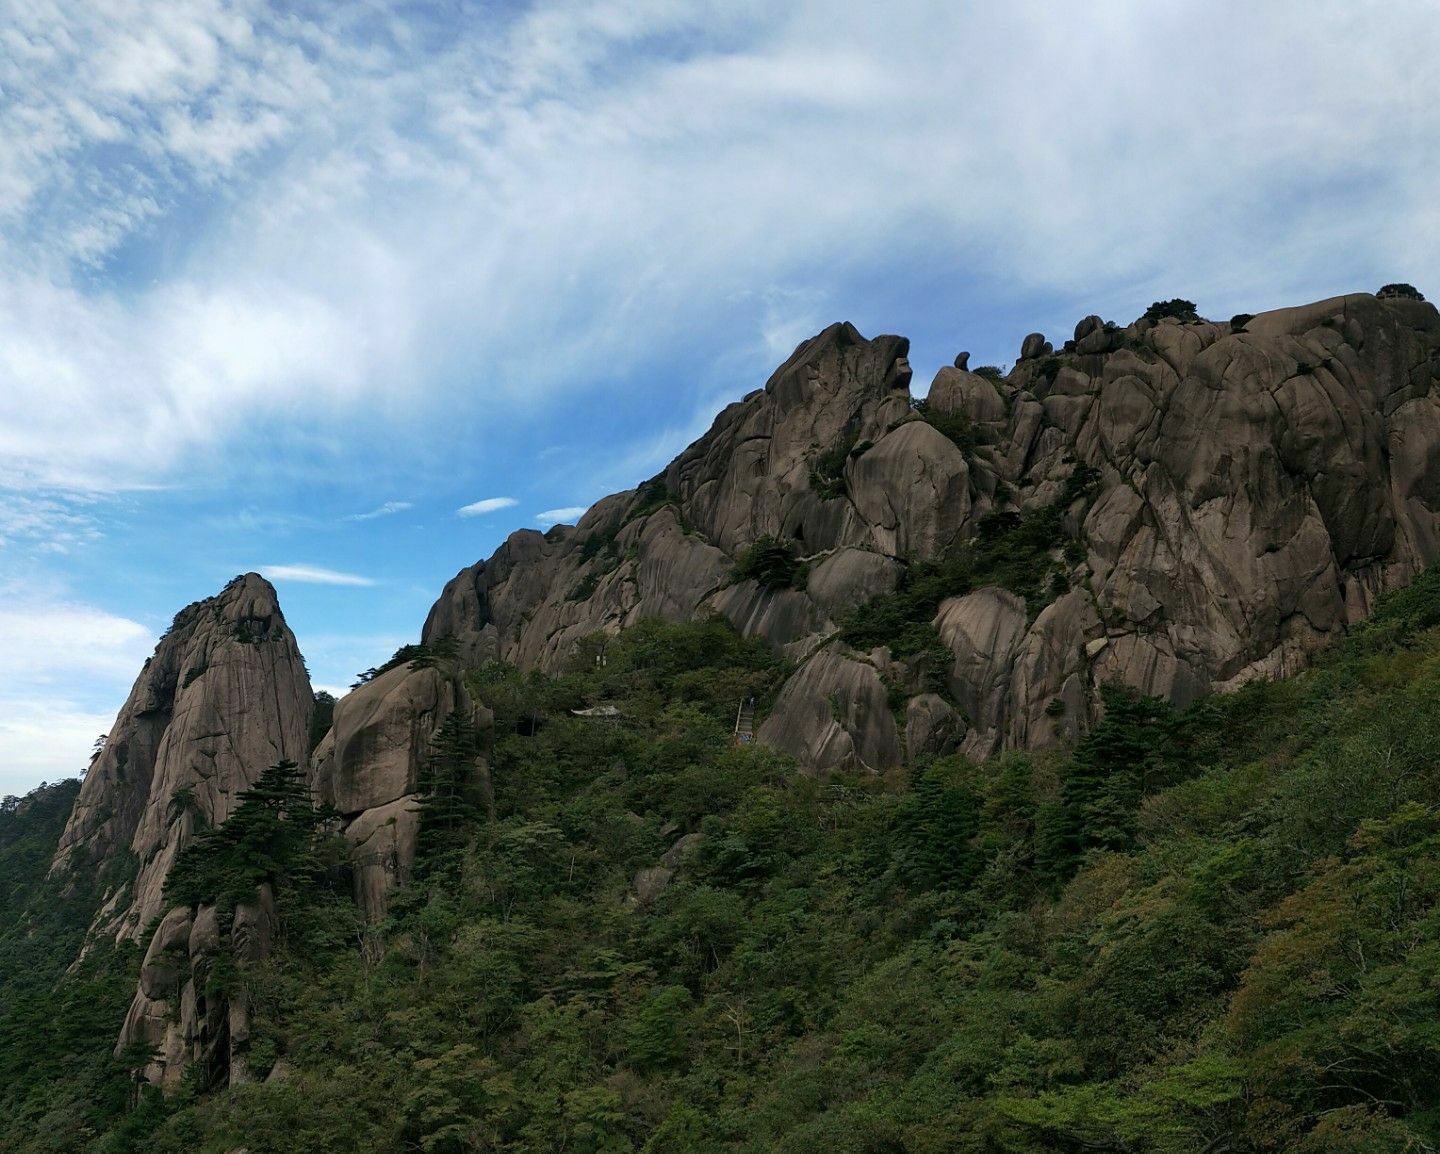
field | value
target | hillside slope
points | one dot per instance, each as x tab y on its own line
1203	930
1031	887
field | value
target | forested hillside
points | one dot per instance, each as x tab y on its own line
1210	930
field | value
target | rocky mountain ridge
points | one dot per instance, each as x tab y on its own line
1250	488
1178	507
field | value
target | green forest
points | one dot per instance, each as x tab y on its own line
1212	930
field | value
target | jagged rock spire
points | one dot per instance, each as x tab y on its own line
225	695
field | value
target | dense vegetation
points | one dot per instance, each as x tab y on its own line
55	1030
771	561
1181	310
1214	930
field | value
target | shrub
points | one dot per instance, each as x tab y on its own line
1181	310
1400	291
990	372
956	426
1239	321
827	472
772	562
1050	369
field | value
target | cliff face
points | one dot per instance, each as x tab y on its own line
1251	492
224	696
367	768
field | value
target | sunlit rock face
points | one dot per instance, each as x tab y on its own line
1254	489
225	696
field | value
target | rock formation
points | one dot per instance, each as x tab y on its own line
225	696
1213	502
1253	489
367	767
183	1017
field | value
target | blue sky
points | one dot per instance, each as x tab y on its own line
288	287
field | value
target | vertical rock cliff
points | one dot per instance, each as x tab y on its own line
225	695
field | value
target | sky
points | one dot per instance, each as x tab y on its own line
346	293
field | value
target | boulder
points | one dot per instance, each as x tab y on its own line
379	737
912	489
834	713
932	727
382	851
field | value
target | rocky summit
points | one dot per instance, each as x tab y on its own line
225	695
1195	504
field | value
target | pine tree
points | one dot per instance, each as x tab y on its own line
450	794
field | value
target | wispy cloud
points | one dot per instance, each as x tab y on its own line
382	511
313	575
44	522
67	638
488	505
356	153
560	516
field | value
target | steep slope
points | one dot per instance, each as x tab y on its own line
1175	506
225	695
1210	929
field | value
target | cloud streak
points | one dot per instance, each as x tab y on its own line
488	505
385	510
560	516
313	575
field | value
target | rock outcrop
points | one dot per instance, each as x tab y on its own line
1250	493
367	768
184	1017
225	695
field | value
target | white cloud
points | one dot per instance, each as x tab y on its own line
48	641
44	522
46	739
390	203
560	516
384	510
64	671
488	505
313	575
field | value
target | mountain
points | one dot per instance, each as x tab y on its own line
526	882
225	694
1178	506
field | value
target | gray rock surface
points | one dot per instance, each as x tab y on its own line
176	1009
367	767
933	727
1255	491
224	697
834	714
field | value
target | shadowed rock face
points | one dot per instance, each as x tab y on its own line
177	1013
225	696
1256	490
